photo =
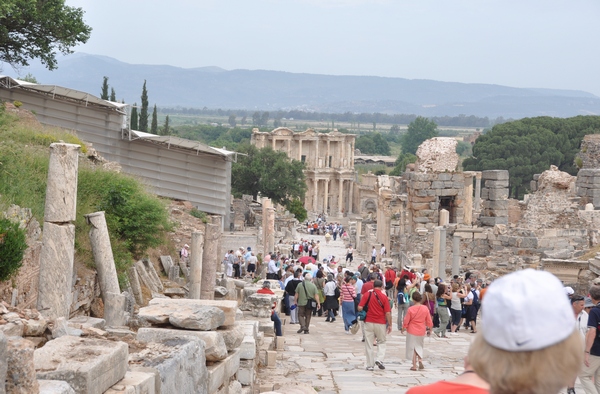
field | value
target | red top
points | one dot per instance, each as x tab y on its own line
376	312
264	290
366	287
447	388
416	319
348	293
390	275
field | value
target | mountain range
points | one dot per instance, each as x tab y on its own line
214	87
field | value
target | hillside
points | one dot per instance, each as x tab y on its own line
214	87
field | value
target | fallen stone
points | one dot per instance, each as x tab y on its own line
222	371
61	329
20	374
233	336
248	348
33	327
228	307
174	291
214	345
235	387
13	329
203	318
179	361
55	387
221	291
155	314
134	382
89	365
246	374
120	332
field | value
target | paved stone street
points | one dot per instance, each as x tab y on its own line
331	361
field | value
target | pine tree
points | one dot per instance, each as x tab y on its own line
104	92
134	117
113	95
154	124
144	110
166	129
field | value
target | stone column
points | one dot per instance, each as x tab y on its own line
210	259
478	192
316	195
468	207
444	217
455	255
435	268
268	226
273	143
328	153
271	227
442	256
114	309
289	148
300	149
196	257
341	197
351	196
317	153
58	239
326	199
351	164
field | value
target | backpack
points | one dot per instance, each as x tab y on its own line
180	253
475	299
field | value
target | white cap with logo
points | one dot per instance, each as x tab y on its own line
526	310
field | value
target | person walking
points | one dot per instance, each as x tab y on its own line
266	289
455	307
442	298
307	298
331	303
581	320
349	254
402	302
378	323
348	295
290	290
417	323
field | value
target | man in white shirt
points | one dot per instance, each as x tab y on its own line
272	270
382	252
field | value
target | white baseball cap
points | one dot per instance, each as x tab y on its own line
526	310
569	290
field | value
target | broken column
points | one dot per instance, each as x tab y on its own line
58	240
196	257
268	226
495	198
455	255
114	302
210	258
436	252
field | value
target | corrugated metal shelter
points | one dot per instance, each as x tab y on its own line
173	167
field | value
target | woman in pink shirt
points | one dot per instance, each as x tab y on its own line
417	323
348	294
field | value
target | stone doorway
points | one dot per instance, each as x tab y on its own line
448	203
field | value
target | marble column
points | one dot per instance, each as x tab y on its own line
340	197
210	260
478	192
300	150
273	143
103	256
316	153
468	202
271	228
442	258
326	199
444	217
196	257
289	148
328	154
58	239
435	268
351	196
316	195
455	255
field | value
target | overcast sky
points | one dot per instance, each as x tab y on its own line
520	43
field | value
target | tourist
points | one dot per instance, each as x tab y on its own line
348	295
266	289
377	324
443	297
251	268
401	300
429	299
467	382
417	323
527	344
327	237
581	321
373	255
184	254
331	303
272	269
364	271
229	262
349	254
307	298
590	376
290	289
389	276
456	308
471	303
382	252
319	281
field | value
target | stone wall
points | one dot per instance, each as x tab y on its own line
437	155
590	152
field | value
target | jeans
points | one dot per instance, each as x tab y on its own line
276	324
402	308
348	314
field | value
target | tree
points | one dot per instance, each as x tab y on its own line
113	95
529	146
134	117
372	144
166	129
243	121
104	89
419	130
144	109
256	118
276	123
395	130
29	78
231	120
264	119
38	29
269	173
154	124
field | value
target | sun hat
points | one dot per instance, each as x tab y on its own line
517	316
186	246
354	327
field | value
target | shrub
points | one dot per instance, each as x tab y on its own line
199	214
12	246
17	104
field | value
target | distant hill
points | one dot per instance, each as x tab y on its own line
214	87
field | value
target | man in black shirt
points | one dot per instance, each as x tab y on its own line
290	289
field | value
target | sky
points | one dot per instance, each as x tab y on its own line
518	43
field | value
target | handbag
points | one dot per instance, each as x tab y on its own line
310	303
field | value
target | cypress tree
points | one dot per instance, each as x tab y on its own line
104	92
113	95
166	129
144	110
154	124
134	117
